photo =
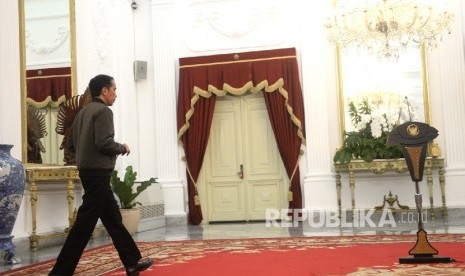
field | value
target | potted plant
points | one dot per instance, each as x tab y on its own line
127	194
372	126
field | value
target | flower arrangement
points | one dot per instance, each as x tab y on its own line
373	118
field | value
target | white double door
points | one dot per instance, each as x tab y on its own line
242	174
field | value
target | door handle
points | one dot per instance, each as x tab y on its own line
241	172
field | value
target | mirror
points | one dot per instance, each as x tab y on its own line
384	83
48	75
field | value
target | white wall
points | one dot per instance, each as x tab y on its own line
260	25
10	100
110	36
10	87
447	84
205	31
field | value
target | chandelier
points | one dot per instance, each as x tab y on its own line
386	27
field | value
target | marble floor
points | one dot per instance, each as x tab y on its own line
453	224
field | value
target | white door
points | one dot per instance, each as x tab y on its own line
242	173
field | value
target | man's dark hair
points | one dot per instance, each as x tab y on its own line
97	83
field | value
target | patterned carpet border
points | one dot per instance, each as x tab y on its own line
104	259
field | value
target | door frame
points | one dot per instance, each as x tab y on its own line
202	188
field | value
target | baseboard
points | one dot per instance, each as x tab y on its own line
176	220
151	223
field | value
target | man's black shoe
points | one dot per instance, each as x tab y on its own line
140	266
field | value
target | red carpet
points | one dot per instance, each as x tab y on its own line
346	255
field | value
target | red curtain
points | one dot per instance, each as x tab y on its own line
204	78
48	86
288	142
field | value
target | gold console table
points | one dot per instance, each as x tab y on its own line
390	165
35	175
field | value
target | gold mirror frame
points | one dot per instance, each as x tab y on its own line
341	98
22	43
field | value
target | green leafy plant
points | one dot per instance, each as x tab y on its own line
366	143
124	189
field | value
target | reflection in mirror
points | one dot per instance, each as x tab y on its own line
36	130
47	48
394	86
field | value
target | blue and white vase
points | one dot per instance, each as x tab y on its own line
12	183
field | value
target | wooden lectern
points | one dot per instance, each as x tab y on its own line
413	138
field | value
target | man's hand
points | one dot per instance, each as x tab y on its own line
128	150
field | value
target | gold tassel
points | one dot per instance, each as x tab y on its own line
290	196
196	196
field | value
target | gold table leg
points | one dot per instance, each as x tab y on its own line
338	192
442	183
429	179
34	239
70	198
352	190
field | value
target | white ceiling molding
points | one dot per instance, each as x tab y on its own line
214	25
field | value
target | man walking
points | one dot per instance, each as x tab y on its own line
96	151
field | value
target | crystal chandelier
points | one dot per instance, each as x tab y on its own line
386	27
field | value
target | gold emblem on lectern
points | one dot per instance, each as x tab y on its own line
413	130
